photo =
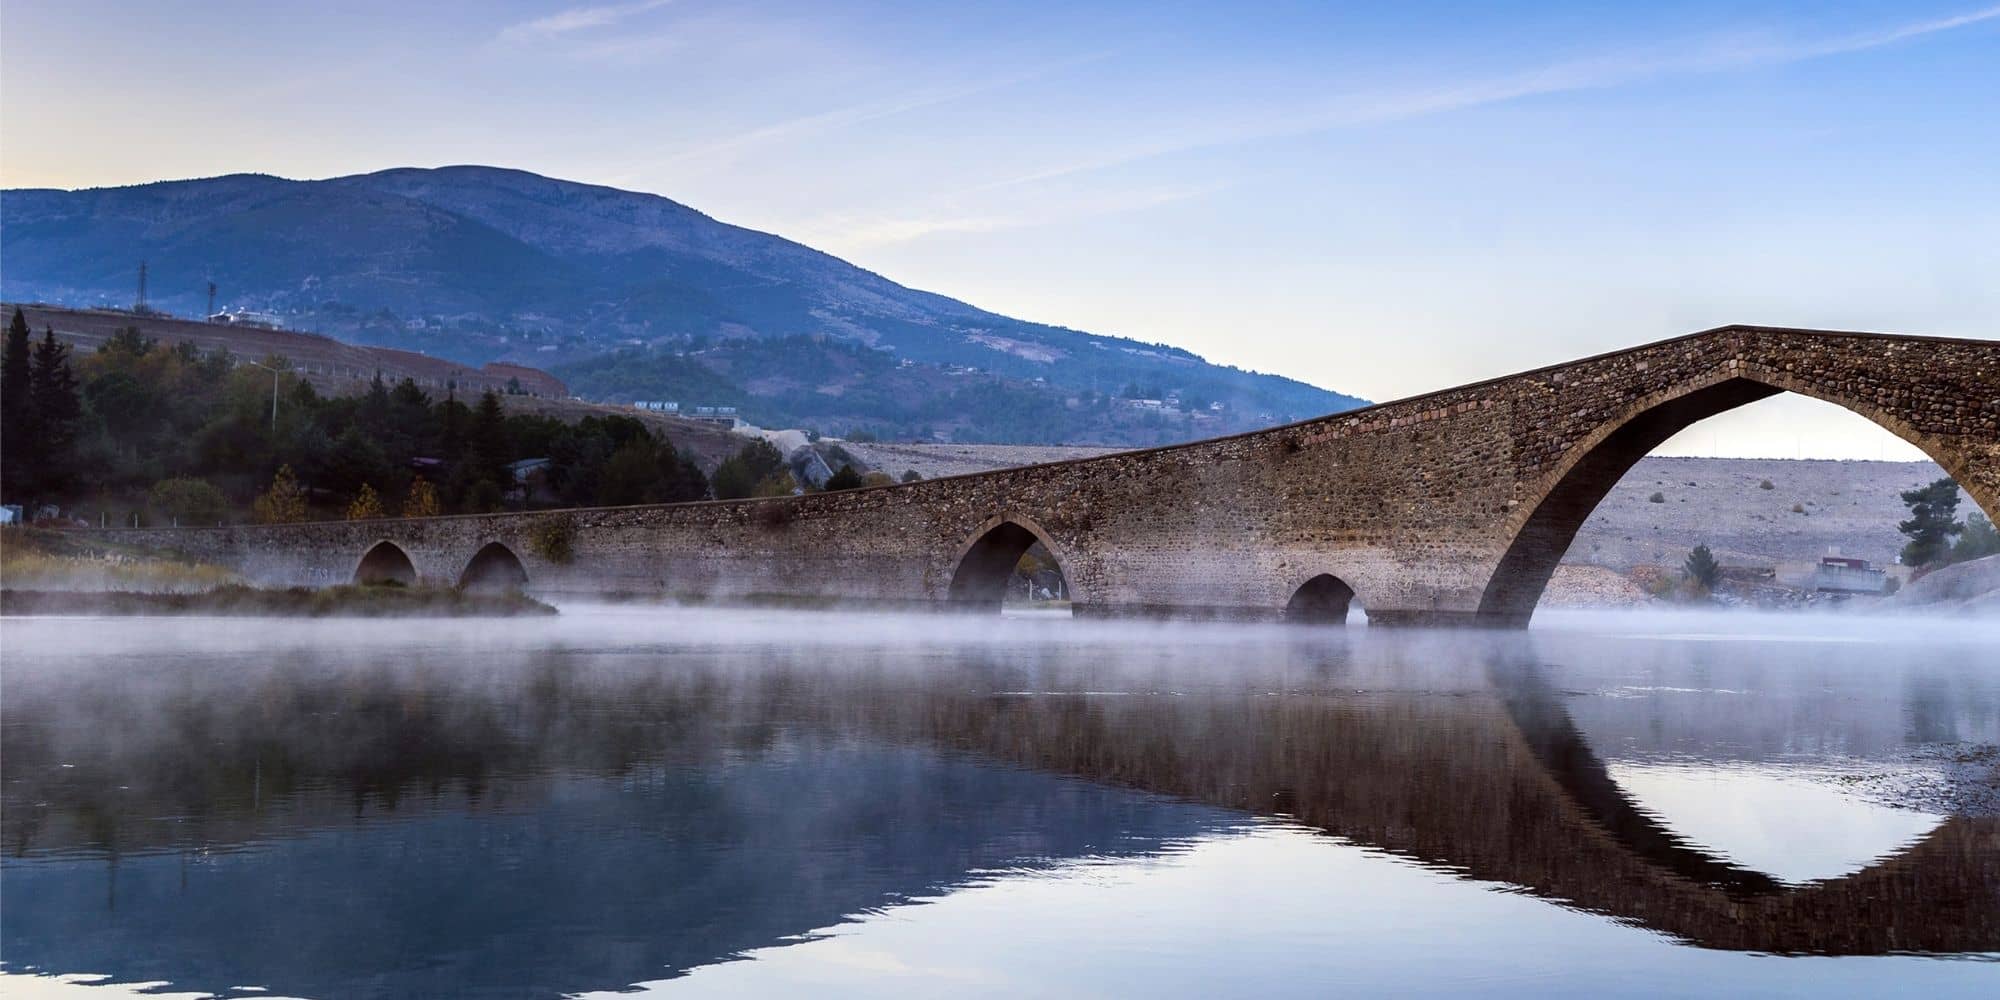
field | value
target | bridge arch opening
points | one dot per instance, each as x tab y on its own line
1323	600
1551	527
1009	566
494	569
386	563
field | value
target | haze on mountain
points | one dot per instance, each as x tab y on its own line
628	296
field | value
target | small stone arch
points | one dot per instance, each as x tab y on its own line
494	569
986	562
386	562
1321	600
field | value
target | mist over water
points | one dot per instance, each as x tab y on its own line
733	801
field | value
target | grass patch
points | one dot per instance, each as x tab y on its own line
34	559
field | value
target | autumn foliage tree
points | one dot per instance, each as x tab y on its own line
284	502
366	506
421	500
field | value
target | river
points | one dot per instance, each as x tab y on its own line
740	802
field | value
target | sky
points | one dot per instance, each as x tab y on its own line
1379	199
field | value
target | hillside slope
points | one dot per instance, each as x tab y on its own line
479	264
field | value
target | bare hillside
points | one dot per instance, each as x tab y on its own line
1811	507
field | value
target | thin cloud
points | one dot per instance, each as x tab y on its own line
852	232
847	117
575	19
1581	75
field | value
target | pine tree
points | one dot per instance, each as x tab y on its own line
1932	522
1701	567
52	391
17	410
284	502
490	450
367	505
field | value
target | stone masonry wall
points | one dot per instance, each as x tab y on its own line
1415	504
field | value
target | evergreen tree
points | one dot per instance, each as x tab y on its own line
845	479
1701	567
740	474
17	410
1979	539
57	405
1931	524
489	449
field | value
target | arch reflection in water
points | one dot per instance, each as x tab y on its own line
556	821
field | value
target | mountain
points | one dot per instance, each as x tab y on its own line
626	295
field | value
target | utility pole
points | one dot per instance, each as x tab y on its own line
275	372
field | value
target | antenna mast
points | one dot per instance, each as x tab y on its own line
211	301
140	306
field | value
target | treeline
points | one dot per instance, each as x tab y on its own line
177	433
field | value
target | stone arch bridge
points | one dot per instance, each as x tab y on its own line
1452	507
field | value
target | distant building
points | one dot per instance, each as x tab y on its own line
1840	575
526	468
725	415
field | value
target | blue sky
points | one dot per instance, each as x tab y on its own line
1382	199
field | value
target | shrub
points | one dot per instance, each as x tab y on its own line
191	500
1798	508
1766	485
772	515
845	479
1657	498
554	538
910	476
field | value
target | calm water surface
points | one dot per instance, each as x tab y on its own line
754	803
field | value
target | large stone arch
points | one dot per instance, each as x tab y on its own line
385	562
494	569
982	565
1540	535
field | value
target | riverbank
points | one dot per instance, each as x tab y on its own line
301	602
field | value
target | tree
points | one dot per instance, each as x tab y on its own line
1978	540
1931	524
284	502
17	409
489	449
367	505
631	476
845	479
189	500
1701	567
421	500
52	391
740	475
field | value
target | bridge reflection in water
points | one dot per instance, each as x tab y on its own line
414	821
